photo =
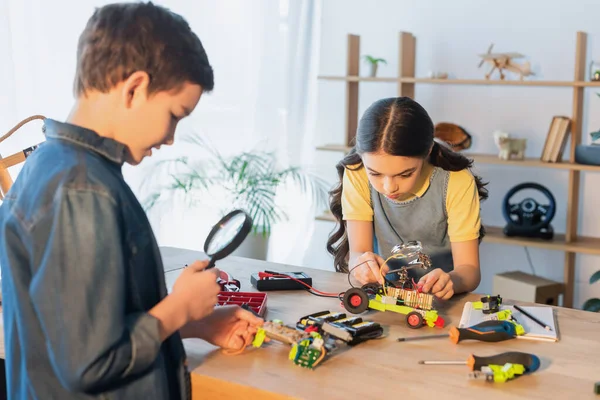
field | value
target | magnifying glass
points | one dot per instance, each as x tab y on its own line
227	235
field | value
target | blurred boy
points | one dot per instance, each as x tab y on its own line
86	309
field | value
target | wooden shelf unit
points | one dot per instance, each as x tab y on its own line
569	242
585	245
483	82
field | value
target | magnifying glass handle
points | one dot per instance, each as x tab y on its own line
211	264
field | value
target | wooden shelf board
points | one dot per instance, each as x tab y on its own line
326	216
587	245
530	162
495	160
494	234
485	82
334	147
357	79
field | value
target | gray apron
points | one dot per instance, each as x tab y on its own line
421	218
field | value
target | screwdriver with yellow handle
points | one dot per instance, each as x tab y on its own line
531	362
487	331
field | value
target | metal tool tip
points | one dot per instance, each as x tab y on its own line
421	362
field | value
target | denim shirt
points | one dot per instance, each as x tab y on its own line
80	271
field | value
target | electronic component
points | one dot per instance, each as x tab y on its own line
491	304
362	331
268	280
316	335
351	330
323	316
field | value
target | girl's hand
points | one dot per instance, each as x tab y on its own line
438	283
366	268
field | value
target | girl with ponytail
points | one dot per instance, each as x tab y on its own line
398	184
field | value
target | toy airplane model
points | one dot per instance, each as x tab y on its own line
503	61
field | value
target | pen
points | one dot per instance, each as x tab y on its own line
534	319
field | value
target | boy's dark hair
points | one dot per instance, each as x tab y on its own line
122	38
398	126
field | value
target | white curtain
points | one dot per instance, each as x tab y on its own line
264	53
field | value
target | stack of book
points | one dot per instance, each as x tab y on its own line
556	139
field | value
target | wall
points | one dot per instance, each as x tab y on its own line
449	35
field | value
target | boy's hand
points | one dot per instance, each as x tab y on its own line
366	268
197	290
229	327
438	283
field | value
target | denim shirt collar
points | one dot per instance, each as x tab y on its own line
106	147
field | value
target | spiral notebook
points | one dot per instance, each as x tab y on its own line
533	331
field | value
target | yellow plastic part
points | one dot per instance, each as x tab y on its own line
377	304
519	328
293	352
259	338
502	373
430	317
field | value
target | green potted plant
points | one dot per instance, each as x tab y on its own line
593	304
374	62
245	180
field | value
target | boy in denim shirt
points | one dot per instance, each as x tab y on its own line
86	310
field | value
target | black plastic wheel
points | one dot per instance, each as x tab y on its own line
372	289
356	300
414	320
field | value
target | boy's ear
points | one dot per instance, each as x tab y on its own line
135	89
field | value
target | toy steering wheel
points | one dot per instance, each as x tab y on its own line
530	214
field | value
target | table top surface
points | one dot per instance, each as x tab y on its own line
384	366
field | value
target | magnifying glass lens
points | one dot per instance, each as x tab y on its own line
226	233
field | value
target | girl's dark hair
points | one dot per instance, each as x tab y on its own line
398	126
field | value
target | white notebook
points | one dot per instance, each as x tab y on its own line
533	331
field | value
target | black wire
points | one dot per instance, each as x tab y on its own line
339	296
353	268
308	289
529	259
332	296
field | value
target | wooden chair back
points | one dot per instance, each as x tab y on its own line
14	159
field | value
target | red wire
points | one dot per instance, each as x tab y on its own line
302	282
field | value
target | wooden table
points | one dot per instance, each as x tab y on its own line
384	368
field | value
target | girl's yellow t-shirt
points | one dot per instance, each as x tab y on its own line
462	200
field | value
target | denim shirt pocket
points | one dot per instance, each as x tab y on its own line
140	257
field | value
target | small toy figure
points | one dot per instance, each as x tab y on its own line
509	146
488	304
504	62
403	295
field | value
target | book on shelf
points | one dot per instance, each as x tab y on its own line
556	140
533	331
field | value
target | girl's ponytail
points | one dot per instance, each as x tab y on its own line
449	160
337	244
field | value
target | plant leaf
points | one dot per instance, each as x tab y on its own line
249	179
595	277
592	305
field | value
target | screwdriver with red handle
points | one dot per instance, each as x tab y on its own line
531	362
486	331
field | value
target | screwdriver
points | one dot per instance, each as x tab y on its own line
486	331
531	362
